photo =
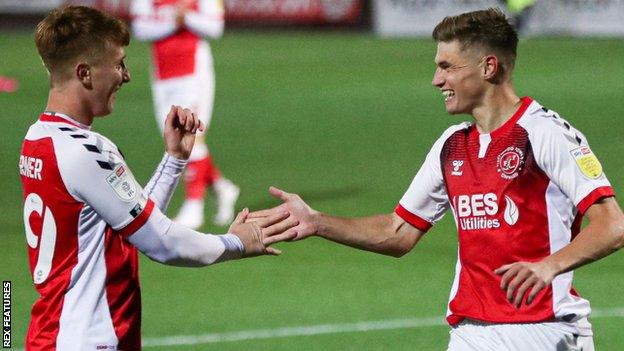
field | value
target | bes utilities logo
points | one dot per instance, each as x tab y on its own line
480	211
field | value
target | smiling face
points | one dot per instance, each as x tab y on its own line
108	74
460	77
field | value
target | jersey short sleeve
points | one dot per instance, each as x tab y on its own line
426	199
95	173
564	154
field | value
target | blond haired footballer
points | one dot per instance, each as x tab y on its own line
86	216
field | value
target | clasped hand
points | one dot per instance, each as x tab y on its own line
181	126
257	236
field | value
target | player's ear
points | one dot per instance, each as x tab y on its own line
83	73
491	67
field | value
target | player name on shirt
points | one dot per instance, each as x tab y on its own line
30	167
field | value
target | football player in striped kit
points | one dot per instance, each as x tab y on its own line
86	216
518	180
183	74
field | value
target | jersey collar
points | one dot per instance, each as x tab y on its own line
56	117
525	102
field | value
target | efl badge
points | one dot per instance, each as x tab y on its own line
509	162
121	180
587	162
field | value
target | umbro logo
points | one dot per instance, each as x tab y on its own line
457	165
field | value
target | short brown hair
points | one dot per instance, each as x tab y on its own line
485	29
71	32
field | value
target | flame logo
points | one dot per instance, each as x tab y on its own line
511	211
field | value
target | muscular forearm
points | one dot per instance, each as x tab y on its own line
594	242
381	234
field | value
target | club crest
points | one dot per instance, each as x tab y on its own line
510	162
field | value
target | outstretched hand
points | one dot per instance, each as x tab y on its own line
296	207
257	236
524	277
181	126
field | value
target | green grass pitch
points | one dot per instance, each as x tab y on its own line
345	120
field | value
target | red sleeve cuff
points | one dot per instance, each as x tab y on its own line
138	221
416	221
593	197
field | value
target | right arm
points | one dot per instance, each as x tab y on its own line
167	242
386	234
106	185
423	204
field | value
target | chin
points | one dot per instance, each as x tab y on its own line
455	110
451	110
103	112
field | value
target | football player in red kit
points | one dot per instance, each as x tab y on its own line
86	216
518	180
183	74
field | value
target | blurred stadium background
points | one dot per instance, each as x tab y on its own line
331	99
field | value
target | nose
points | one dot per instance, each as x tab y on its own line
126	75
438	78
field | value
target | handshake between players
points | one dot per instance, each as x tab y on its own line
256	236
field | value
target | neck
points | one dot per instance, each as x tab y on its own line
67	101
498	106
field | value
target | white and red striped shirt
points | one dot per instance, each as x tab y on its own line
517	194
81	202
177	52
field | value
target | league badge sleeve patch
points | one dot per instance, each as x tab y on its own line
587	162
122	182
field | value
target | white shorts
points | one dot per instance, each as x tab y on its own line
470	335
194	91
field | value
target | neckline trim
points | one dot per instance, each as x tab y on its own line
524	105
57	117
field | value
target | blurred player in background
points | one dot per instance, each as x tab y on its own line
519	180
84	213
183	74
520	12
8	85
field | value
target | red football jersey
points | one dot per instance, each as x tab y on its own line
178	52
80	202
517	194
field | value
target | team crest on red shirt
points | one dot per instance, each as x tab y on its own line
509	162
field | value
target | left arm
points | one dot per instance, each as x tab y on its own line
208	21
603	236
180	128
161	186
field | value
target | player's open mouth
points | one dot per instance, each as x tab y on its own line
448	94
